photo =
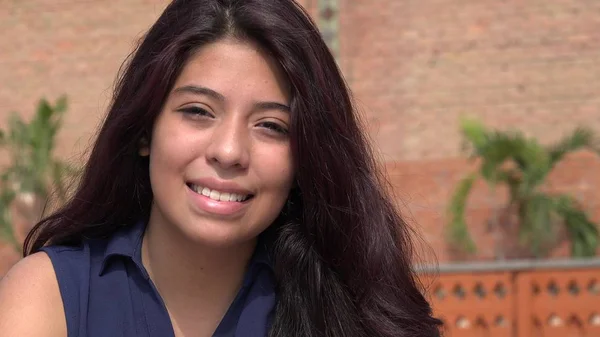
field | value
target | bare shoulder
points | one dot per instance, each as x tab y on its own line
30	300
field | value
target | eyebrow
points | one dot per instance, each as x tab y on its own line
193	89
198	90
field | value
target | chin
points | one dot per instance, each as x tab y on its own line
216	236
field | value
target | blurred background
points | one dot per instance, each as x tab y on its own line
485	114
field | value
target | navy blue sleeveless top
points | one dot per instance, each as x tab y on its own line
106	291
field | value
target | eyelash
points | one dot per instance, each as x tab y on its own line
275	127
197	111
201	112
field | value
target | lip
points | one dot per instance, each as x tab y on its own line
216	207
220	185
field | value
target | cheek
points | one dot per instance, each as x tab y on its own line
276	170
172	147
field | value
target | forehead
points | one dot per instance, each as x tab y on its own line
232	66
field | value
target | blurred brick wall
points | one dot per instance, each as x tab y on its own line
414	67
73	47
423	188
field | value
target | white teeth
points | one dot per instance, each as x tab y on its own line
205	191
216	195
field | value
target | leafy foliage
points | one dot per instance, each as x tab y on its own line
33	172
522	164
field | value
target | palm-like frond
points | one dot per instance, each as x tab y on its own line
6	228
459	234
33	167
536	222
580	138
582	231
511	158
496	148
492	148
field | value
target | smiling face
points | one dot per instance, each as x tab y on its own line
220	159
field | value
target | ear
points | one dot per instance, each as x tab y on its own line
144	147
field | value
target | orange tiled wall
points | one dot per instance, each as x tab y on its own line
525	303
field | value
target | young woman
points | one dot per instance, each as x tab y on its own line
230	192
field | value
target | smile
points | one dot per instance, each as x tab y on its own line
218	195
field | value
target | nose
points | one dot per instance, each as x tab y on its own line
229	146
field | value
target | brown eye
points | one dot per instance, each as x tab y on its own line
275	127
196	111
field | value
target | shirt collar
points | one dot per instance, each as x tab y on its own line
127	242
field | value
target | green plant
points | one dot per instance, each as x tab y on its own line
33	172
522	165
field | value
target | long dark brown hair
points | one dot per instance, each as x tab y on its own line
349	248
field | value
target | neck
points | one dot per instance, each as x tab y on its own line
196	282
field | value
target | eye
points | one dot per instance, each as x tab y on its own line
274	127
196	111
